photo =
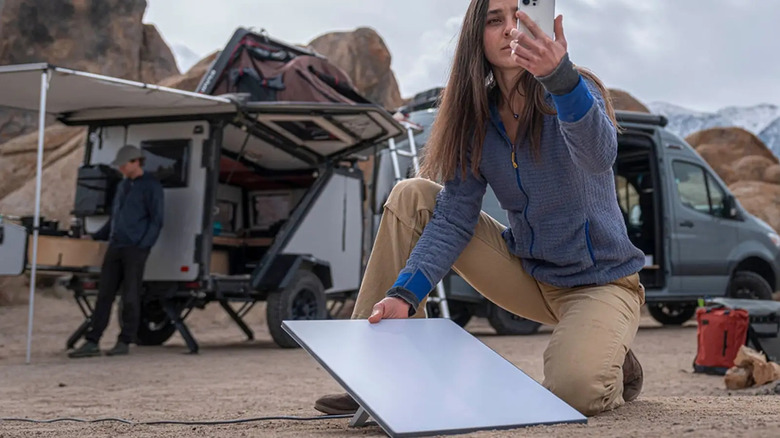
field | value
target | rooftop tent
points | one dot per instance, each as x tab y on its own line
270	70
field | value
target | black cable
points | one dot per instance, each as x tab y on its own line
56	420
183	423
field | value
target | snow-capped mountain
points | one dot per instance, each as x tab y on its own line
754	118
762	120
684	122
771	136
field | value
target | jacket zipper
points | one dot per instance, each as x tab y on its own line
527	201
502	131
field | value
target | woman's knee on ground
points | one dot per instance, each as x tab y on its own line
588	391
412	195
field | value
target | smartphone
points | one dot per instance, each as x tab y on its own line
542	12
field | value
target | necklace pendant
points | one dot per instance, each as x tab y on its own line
516	116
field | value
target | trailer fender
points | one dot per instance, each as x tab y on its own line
284	266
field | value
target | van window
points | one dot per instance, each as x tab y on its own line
697	189
167	160
717	195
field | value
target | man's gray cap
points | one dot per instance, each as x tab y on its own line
126	154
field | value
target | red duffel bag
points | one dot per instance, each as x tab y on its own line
720	334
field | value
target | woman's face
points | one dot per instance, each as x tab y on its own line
499	21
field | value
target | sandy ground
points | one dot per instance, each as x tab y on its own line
232	378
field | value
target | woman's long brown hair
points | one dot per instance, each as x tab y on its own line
459	130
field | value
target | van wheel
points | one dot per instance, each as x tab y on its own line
303	299
507	323
671	313
749	285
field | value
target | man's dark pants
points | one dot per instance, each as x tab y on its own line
125	266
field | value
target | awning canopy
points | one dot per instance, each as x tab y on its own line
287	136
79	98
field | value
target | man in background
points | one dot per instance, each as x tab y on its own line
132	230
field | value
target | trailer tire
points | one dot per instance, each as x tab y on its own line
302	299
671	313
507	323
155	327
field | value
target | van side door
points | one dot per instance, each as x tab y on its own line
702	235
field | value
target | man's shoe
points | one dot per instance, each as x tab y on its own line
120	349
337	404
633	377
87	349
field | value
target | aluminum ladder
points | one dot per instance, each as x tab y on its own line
440	296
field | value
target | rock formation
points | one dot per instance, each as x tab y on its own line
622	100
99	36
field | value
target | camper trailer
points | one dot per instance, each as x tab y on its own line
263	199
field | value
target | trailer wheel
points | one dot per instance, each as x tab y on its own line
155	327
671	313
303	299
507	323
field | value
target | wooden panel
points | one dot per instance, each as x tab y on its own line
220	263
67	252
237	241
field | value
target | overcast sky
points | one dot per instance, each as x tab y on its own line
701	54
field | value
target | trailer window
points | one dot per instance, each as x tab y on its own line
269	209
226	216
168	161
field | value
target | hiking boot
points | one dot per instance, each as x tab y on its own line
336	404
632	377
87	349
119	349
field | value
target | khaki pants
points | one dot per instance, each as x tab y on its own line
594	326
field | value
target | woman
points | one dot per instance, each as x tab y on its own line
516	114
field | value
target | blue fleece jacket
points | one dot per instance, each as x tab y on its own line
564	220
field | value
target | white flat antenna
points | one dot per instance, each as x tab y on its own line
427	377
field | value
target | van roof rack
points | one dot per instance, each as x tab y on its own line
423	100
641	118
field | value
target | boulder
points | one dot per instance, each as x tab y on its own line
622	100
58	186
18	157
189	81
772	174
752	168
760	199
98	36
735	143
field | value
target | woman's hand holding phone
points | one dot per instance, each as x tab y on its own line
538	53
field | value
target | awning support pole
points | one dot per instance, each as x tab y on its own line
37	220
